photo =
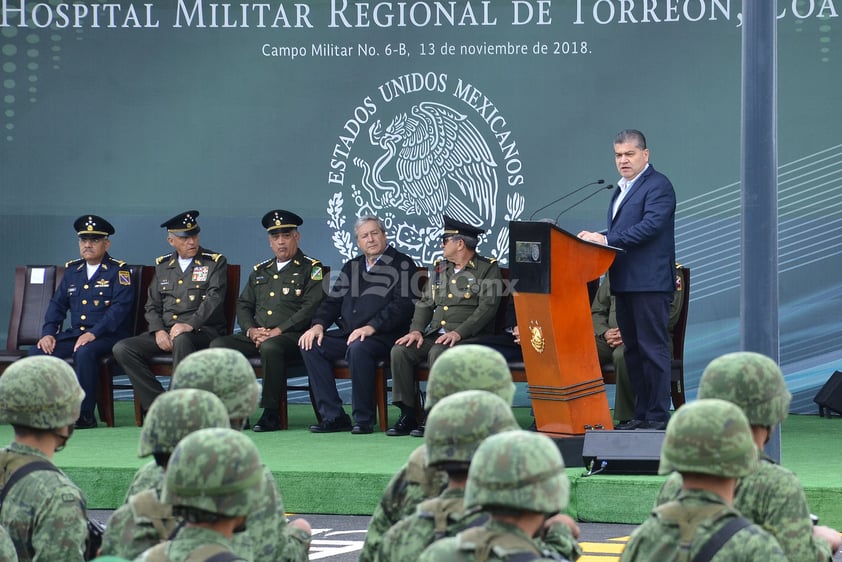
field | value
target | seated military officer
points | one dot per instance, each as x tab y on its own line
460	302
97	291
184	309
275	308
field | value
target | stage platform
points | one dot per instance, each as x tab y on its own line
342	473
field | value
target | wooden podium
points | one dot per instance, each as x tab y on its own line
550	269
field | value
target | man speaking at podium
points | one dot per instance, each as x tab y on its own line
641	221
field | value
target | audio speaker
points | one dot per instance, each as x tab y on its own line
623	452
830	396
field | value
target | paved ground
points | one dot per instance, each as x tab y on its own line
339	538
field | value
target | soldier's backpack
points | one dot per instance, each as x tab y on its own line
449	516
688	523
206	553
21	466
511	548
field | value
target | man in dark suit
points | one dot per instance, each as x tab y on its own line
371	303
641	221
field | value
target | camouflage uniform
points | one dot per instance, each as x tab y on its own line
216	471
455	428
772	497
7	547
515	471
228	374
44	513
148	477
707	437
144	520
463	367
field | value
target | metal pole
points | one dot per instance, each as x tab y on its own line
758	175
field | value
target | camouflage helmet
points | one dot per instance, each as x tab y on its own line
217	470
469	367
709	436
177	413
225	372
752	381
519	470
461	421
40	392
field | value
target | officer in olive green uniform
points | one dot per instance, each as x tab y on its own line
709	443
44	512
275	308
771	496
185	308
460	301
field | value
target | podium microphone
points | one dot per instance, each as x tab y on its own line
565	196
582	200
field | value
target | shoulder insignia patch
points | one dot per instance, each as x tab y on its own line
160	259
316	273
213	256
125	277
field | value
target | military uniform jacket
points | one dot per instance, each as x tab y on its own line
284	299
195	296
380	297
465	302
659	538
101	305
44	513
773	498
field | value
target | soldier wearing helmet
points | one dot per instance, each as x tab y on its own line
463	367
770	496
144	520
44	513
518	478
213	481
709	443
455	428
228	374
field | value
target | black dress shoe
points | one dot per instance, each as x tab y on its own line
86	421
270	420
332	426
362	429
417	432
404	426
630	425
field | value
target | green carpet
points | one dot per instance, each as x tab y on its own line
346	474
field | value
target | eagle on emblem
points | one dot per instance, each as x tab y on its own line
435	162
